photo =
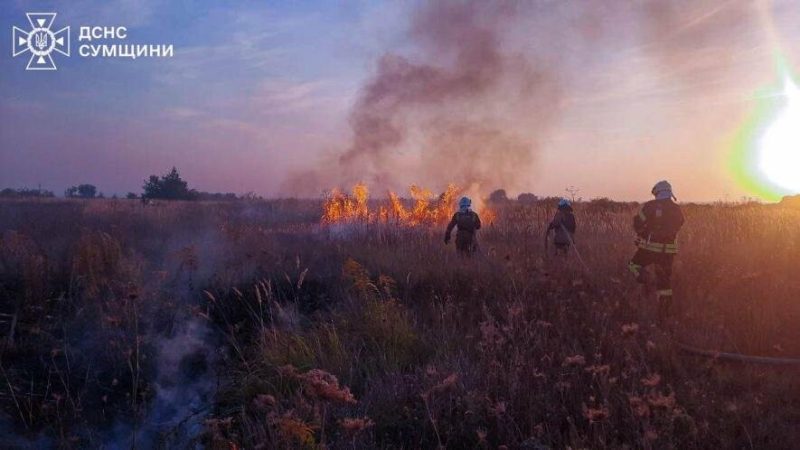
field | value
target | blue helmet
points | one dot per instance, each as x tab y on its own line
564	203
464	203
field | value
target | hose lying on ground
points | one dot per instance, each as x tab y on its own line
738	357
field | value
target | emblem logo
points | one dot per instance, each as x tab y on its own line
41	41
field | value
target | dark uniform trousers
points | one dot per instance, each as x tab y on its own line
663	268
465	242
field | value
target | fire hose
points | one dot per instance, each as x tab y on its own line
575	248
571	244
737	357
686	348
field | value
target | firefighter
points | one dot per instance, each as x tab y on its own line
468	223
564	225
657	226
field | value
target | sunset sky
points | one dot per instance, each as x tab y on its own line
259	91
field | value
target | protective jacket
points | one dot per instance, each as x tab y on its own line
657	226
467	223
564	225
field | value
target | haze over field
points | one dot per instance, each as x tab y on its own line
289	98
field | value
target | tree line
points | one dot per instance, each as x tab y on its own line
170	186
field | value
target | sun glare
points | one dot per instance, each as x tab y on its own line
779	146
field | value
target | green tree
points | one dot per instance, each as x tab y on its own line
81	191
169	187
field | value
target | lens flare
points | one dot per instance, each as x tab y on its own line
766	149
779	145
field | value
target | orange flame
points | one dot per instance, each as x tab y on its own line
340	206
426	209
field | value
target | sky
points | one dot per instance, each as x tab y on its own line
262	96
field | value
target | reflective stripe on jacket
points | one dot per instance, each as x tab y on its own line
657	247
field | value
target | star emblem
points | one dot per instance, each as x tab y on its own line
41	41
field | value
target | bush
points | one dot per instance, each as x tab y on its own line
526	198
498	196
25	193
82	191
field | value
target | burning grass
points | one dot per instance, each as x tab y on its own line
423	208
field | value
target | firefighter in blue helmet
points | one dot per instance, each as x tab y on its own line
657	226
468	223
564	225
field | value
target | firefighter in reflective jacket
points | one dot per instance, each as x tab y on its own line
468	223
657	226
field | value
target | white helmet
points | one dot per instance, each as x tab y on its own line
663	189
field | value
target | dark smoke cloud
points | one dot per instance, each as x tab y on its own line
464	109
485	84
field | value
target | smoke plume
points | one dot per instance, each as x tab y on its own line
463	108
479	88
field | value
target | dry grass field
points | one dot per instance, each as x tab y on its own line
257	325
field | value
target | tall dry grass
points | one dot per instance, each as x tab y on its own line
377	336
